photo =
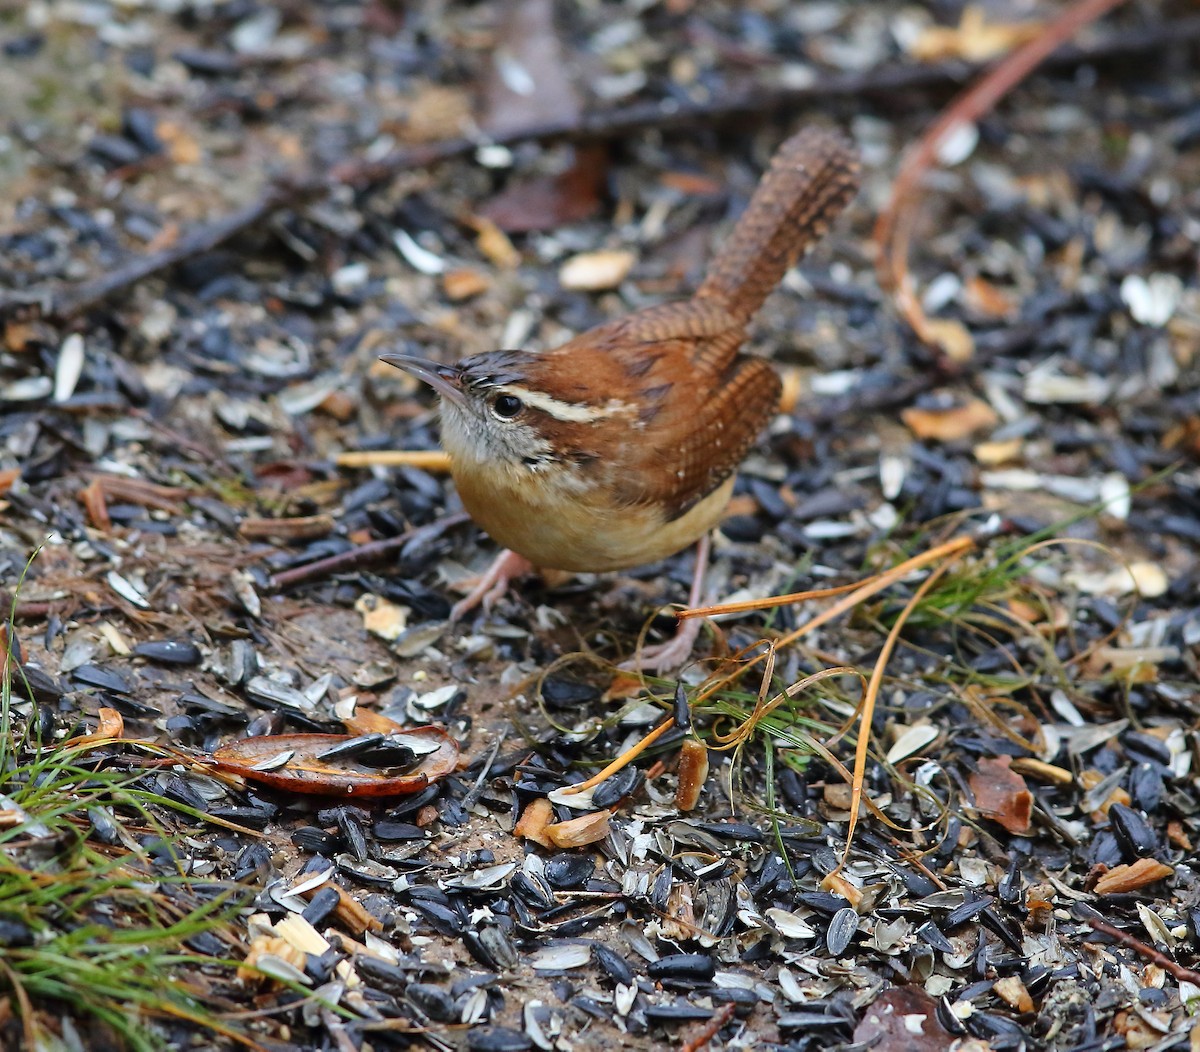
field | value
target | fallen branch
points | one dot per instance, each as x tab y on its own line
294	190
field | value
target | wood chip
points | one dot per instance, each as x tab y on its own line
576	832
596	271
1123	879
533	822
1012	992
1043	772
424	459
302	528
462	283
950	425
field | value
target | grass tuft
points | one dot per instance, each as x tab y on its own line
95	912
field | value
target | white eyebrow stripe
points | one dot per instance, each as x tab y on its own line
571	412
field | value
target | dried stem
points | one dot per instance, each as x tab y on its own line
894	228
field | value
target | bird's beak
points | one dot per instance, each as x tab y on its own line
445	379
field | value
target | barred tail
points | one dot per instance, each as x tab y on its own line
812	177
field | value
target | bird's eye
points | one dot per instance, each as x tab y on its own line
506	406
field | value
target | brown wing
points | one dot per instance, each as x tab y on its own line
704	438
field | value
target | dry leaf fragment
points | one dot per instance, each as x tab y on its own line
576	832
993	454
839	885
1001	794
1122	879
110	726
904	1017
304	771
950	336
953	424
182	147
551	202
987	299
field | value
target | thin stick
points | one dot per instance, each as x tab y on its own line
711	1029
893	229
744	605
1184	975
953	547
425	459
624	760
363	555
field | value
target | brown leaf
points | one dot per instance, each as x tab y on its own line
94	504
904	1017
461	283
110	727
950	336
989	300
299	770
1001	794
950	425
551	201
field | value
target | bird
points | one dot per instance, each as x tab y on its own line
620	447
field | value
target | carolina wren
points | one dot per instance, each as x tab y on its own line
619	447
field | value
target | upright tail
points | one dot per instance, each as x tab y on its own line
812	177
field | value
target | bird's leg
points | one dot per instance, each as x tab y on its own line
492	583
678	649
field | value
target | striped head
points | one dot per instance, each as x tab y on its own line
498	410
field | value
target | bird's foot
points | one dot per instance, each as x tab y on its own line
669	655
491	584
